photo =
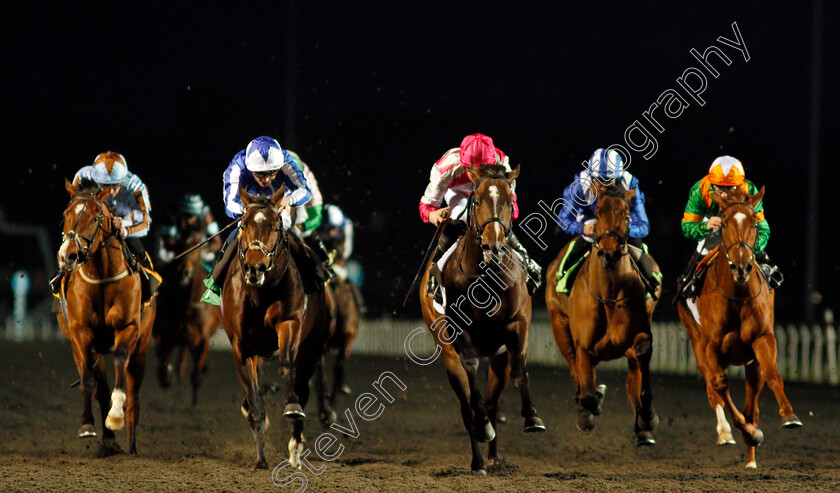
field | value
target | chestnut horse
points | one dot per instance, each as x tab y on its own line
487	314
605	316
736	325
266	314
101	314
183	321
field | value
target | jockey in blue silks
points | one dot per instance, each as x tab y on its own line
262	168
605	172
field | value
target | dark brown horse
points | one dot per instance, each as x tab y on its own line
736	309
101	314
347	319
487	314
184	323
606	316
266	314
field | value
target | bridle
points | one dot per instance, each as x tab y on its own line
76	238
738	244
261	247
478	229
622	241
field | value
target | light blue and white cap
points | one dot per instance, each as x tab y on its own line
606	164
264	154
335	216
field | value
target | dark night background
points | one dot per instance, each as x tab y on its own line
382	91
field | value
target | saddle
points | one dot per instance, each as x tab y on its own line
566	275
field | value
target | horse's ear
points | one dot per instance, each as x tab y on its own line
278	196
71	189
629	194
513	174
244	196
755	199
474	172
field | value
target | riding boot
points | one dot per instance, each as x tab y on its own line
652	277
313	278
685	283
317	246
452	230
534	279
149	280
771	272
55	282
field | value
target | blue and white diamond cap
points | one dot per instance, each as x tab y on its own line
263	154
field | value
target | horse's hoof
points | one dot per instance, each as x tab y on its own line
294	411
791	421
585	421
501	418
726	439
479	472
114	424
649	424
484	433
87	430
243	411
591	403
108	448
327	418
261	464
534	425
756	439
751	465
644	439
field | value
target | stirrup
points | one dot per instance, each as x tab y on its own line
432	286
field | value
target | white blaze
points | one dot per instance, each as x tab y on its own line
79	208
259	217
740	217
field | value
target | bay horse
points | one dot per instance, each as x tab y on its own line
487	314
605	316
736	311
101	314
183	322
266	314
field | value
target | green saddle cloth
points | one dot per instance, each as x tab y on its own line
566	273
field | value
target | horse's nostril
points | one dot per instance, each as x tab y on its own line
261	269
749	268
485	246
72	257
732	267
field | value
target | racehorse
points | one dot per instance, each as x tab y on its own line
265	314
494	322
605	316
183	321
736	311
101	314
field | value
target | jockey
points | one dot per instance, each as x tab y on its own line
605	171
449	180
128	201
336	233
308	217
191	214
261	169
702	223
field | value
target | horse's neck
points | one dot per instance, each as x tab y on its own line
107	261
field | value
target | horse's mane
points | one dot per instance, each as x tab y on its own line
612	192
494	171
88	187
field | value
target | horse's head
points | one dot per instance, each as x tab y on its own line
84	220
191	262
261	236
739	229
491	204
612	225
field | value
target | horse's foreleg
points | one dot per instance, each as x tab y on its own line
198	349
246	369
724	431
755	382
589	403
765	352
109	445
482	429
301	387
459	382
497	379
325	413
288	333
642	396
517	349
719	381
563	338
84	360
338	377
134	378
116	415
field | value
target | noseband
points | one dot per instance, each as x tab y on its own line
261	247
740	242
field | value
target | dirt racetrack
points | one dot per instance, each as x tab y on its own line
417	444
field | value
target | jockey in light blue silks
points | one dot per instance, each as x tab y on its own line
262	168
604	173
128	201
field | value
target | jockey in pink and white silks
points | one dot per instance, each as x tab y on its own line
449	181
261	169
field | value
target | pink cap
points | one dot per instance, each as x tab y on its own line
478	149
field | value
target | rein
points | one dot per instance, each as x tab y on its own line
622	240
85	251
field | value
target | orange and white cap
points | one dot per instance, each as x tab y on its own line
110	168
726	171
